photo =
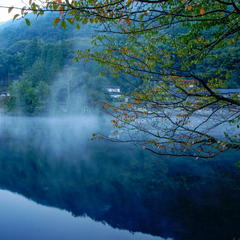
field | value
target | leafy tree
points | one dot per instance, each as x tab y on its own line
165	44
27	98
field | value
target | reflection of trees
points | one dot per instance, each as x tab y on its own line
182	199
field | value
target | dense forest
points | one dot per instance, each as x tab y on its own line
37	68
38	71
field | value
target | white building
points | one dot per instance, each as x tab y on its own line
114	91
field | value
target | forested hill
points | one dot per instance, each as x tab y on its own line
25	48
36	66
33	58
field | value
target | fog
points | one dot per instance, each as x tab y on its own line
53	134
53	161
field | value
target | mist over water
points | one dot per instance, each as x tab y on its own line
54	162
53	135
51	169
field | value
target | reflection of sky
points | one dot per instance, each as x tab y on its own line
21	218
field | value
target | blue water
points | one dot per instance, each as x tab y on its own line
58	184
22	218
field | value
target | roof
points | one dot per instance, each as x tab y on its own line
112	87
230	90
187	80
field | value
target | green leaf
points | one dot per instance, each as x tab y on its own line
238	164
63	24
85	21
55	6
70	20
27	21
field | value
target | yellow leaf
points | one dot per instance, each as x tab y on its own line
189	7
202	11
106	106
61	10
129	3
128	21
84	21
56	20
121	18
161	146
124	50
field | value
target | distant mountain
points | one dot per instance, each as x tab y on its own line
41	28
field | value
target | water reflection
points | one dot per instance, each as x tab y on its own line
24	219
52	162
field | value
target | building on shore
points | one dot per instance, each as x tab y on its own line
229	92
115	93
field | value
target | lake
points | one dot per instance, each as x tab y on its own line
58	184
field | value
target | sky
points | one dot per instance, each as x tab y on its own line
4	16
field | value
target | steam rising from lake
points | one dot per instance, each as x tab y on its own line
52	134
53	161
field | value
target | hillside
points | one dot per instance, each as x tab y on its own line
37	65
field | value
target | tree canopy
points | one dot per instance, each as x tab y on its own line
173	48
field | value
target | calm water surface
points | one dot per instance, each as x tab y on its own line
58	184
